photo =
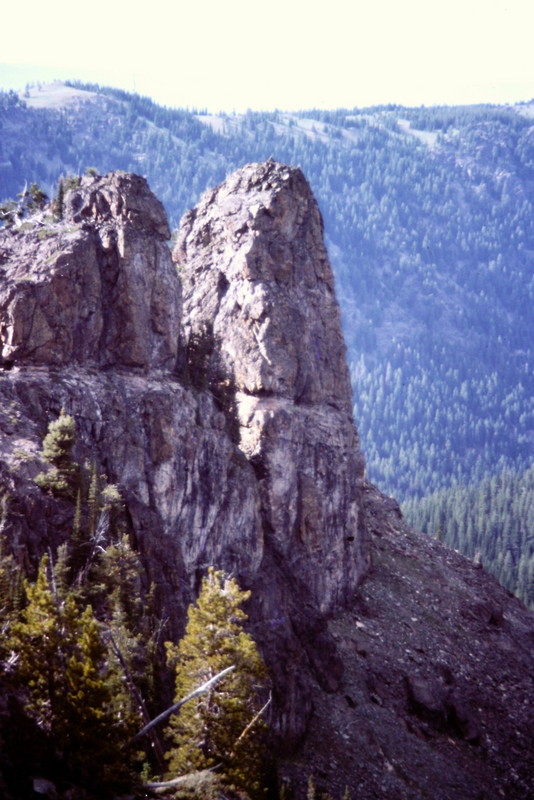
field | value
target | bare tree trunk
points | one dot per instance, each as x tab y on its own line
134	691
193	780
251	724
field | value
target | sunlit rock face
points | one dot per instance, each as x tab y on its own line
96	289
259	303
213	391
257	275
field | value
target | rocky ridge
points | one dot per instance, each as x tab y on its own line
214	392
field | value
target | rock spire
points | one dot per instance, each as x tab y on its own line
259	301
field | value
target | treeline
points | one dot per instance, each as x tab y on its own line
494	519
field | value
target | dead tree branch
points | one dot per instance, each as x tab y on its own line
251	723
205	687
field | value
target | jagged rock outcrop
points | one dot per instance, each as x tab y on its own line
215	394
240	452
256	274
90	316
98	289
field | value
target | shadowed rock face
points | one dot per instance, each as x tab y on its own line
437	695
215	394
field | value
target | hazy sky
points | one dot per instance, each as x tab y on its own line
285	54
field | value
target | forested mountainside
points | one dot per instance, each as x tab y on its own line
491	522
430	226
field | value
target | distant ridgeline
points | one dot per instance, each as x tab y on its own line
429	219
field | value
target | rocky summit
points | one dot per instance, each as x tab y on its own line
211	386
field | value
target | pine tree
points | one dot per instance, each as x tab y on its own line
8	213
59	205
63	479
79	546
62	571
83	674
212	730
116	590
62	669
116	575
37	198
11	580
93	501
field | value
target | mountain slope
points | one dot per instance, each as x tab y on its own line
492	521
429	221
215	398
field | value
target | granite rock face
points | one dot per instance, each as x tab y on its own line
257	275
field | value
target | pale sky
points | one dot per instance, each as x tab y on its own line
286	54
